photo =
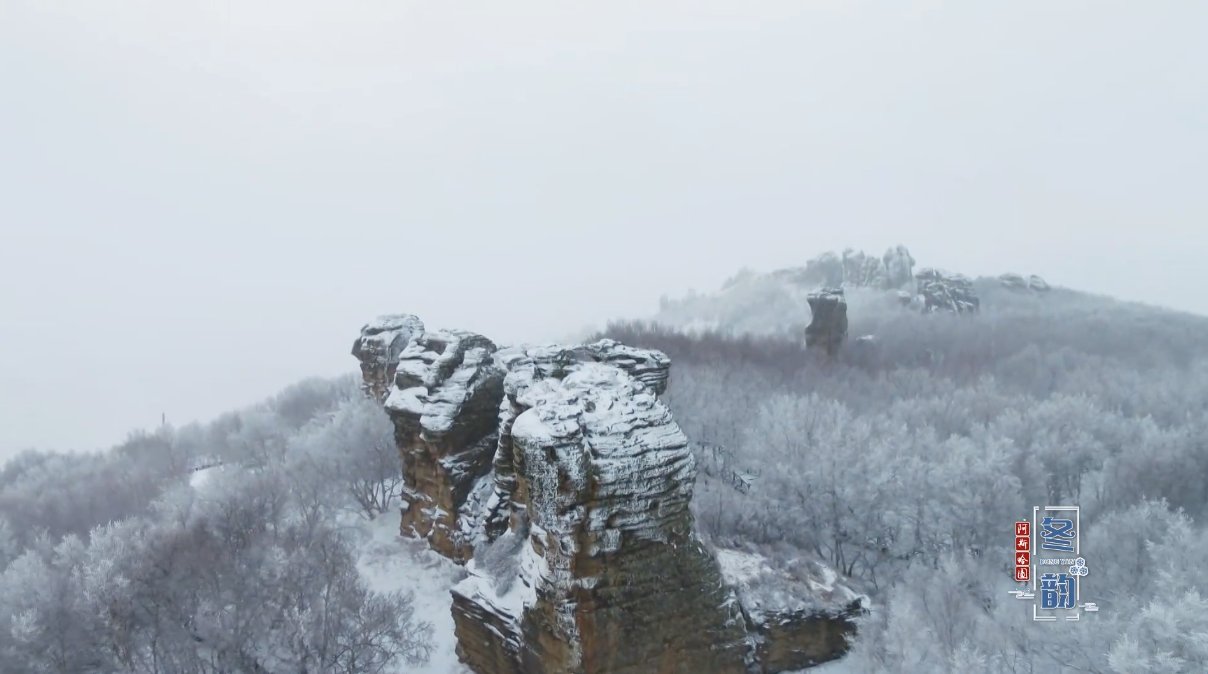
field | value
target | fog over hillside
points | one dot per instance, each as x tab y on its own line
612	406
898	462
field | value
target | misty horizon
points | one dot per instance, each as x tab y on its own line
202	204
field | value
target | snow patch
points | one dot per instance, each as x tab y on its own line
389	562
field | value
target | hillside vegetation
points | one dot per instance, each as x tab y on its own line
903	461
900	462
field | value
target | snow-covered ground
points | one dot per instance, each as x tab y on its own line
390	562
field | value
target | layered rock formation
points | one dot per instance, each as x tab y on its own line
563	479
828	325
444	405
611	576
651	368
378	347
946	292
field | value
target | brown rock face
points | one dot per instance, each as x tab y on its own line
444	404
378	348
609	574
792	640
563	480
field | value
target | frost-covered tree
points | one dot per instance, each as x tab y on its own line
351	451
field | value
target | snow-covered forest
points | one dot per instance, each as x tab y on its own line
903	462
233	545
225	547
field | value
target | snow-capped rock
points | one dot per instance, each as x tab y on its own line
562	479
611	576
946	292
800	615
378	347
444	404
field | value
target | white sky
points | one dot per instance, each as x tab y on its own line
201	202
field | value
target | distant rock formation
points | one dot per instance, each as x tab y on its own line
444	405
828	326
378	348
1017	282
899	267
563	480
946	292
855	268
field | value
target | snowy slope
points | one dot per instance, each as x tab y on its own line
390	562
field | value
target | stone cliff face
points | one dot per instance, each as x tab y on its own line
611	575
444	405
566	484
828	325
647	366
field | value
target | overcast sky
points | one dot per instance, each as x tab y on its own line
202	201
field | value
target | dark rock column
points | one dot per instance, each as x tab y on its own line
828	326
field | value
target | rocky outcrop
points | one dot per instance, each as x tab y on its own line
378	347
444	405
649	367
1017	282
828	325
610	575
799	616
562	479
946	292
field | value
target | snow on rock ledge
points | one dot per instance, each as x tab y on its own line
946	292
561	478
800	616
443	404
378	347
609	573
525	367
